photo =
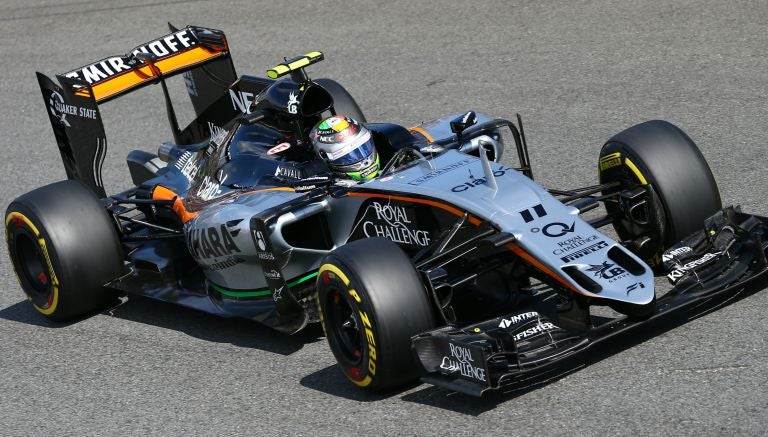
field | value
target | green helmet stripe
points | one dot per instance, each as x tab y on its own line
357	175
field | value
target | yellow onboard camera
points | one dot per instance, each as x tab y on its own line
295	66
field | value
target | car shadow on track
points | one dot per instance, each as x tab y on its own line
239	332
23	312
236	331
331	381
461	403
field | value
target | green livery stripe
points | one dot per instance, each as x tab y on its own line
304	278
241	293
260	292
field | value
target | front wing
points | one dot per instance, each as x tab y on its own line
725	259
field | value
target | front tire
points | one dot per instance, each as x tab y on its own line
371	302
63	247
682	190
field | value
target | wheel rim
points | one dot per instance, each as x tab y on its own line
345	327
32	267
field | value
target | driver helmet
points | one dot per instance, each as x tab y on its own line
347	147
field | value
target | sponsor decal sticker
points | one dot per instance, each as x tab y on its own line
369	339
674	253
527	214
208	189
260	241
212	242
59	110
229	262
681	271
282	147
441	171
585	251
189	81
557	229
541	327
475	182
312	183
218	134
278	294
365	174
461	361
634	286
572	243
607	271
610	161
432	148
517	318
288	172
270	267
160	48
293	103
241	100
187	166
261	247
392	222
304	188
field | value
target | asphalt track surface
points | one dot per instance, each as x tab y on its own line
578	71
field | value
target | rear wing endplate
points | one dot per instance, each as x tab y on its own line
78	129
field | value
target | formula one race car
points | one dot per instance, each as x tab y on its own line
451	263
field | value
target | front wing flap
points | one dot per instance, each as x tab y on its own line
476	358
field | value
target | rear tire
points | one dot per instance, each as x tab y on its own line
63	247
371	302
683	191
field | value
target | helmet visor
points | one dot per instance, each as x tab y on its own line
357	154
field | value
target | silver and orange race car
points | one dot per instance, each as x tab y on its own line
453	264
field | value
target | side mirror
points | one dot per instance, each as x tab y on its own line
461	123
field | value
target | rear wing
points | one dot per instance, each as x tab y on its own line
202	54
177	52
